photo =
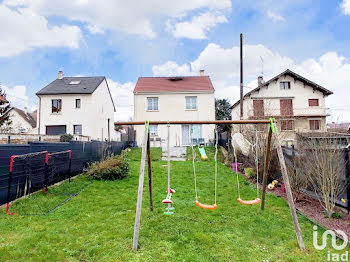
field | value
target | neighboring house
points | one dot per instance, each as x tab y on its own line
34	114
174	99
339	127
21	121
297	103
77	105
3	99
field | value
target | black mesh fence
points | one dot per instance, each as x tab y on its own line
35	169
290	153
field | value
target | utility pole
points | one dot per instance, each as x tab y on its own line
241	81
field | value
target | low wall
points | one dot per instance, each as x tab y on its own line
10	138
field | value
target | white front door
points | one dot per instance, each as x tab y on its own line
186	134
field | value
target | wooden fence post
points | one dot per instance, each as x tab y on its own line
266	168
149	161
140	191
290	200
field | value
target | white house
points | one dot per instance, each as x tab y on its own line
77	105
296	102
171	99
21	121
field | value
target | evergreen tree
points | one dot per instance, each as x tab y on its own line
222	112
5	108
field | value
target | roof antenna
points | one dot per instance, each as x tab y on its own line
262	66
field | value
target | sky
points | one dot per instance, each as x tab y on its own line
124	40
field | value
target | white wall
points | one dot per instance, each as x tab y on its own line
172	108
92	115
19	125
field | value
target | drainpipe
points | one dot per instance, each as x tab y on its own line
109	131
39	115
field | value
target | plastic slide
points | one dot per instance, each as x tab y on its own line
202	152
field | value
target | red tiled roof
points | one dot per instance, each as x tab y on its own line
174	84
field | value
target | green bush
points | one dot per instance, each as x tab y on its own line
66	137
337	215
113	168
249	172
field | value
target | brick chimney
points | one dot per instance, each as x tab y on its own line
60	74
260	80
201	72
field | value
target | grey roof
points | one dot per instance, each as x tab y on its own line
87	85
325	91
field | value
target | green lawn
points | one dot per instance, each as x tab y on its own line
97	225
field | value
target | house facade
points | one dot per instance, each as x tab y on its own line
21	121
297	103
175	99
77	105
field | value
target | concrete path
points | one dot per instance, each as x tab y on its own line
176	153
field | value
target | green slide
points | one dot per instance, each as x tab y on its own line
202	152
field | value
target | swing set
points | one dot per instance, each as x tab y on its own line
169	210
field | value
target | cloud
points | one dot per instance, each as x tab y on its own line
171	68
17	96
22	29
94	29
275	17
123	98
132	17
345	5
222	65
198	26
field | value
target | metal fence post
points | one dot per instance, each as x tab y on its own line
70	166
347	175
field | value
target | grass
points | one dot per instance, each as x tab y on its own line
97	225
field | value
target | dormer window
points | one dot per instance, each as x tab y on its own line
74	82
284	85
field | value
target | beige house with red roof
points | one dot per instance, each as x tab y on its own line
297	103
174	99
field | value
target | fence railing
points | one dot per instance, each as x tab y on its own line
82	153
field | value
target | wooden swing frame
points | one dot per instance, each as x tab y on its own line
146	153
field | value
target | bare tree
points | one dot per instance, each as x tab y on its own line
298	180
323	165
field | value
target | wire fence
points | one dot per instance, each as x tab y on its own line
25	169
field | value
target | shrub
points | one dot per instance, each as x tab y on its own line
249	172
66	137
337	215
113	168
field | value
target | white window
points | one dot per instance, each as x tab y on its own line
77	129
152	103
77	103
191	103
56	106
285	85
153	130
